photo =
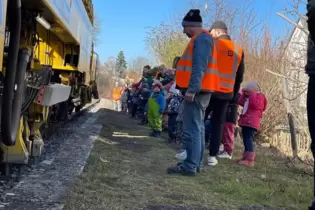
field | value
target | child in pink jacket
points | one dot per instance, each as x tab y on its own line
254	103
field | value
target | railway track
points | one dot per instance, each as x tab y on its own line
42	184
51	128
12	173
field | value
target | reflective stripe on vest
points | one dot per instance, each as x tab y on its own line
229	59
210	81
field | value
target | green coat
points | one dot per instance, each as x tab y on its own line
156	106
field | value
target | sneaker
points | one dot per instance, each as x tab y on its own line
180	171
212	161
181	156
225	155
198	169
156	134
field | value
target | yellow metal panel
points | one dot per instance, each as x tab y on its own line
73	17
17	153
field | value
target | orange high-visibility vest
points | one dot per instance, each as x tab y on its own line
116	94
210	81
229	59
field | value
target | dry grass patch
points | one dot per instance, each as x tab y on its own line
130	173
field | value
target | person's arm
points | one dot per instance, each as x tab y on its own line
311	18
241	100
162	103
238	79
201	53
146	107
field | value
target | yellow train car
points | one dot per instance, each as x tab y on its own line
47	69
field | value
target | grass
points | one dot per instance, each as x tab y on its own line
129	172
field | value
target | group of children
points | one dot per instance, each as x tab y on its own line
156	101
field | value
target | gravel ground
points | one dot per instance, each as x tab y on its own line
44	186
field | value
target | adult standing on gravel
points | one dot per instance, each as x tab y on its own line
310	70
197	75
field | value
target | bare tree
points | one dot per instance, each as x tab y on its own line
294	79
137	64
110	64
165	42
96	30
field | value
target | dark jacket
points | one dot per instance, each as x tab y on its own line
238	78
231	112
310	65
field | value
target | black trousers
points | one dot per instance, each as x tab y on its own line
219	108
311	114
134	109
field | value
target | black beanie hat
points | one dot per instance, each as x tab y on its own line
192	19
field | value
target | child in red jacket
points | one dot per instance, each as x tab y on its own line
254	103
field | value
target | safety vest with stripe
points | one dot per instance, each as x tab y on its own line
229	59
210	80
116	94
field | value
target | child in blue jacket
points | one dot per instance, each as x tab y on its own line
155	109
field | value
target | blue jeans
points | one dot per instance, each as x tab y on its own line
248	138
194	131
172	125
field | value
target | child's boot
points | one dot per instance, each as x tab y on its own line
250	159
243	158
156	133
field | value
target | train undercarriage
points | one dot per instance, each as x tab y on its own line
41	82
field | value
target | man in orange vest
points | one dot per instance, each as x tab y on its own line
196	75
117	91
231	69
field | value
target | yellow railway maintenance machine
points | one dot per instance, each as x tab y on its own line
47	69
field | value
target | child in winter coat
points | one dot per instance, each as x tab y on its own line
144	97
229	128
254	103
124	100
172	111
155	108
135	100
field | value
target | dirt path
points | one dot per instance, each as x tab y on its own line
127	170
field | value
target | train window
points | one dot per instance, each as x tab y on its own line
71	60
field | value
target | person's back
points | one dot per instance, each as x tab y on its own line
231	68
254	103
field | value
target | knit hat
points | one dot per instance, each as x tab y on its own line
192	19
252	85
159	85
169	72
218	25
145	85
